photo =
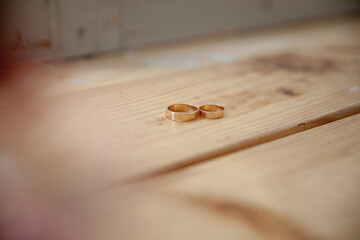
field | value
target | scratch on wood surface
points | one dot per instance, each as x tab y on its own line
269	223
287	91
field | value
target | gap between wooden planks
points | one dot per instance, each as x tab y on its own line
106	135
250	143
304	186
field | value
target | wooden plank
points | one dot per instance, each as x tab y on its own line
303	186
120	127
321	37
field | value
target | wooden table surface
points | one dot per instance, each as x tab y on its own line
284	163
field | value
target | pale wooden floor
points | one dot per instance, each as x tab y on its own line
284	163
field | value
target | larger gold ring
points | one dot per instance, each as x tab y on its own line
212	111
182	112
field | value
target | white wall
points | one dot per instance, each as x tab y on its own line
47	29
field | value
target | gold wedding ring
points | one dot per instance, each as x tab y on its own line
211	111
182	112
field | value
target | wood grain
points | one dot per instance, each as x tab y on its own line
100	135
302	186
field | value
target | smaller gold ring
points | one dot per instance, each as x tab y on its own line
182	112
212	111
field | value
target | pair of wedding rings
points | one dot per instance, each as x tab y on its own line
185	112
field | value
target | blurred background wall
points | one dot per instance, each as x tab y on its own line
50	29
